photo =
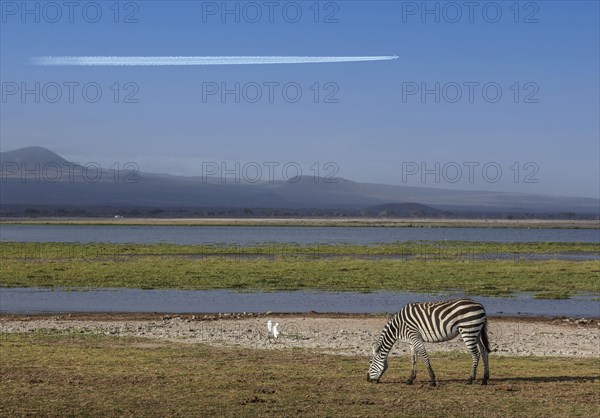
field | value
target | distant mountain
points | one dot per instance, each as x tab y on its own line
31	156
91	186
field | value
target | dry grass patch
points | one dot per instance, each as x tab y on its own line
55	375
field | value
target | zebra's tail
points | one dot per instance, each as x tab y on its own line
484	337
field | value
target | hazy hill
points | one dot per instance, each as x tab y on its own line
105	187
31	156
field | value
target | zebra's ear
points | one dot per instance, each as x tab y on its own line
375	348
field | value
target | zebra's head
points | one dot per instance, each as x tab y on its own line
378	364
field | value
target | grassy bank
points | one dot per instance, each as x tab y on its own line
555	279
407	266
429	249
48	374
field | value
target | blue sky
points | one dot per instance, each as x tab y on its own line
541	131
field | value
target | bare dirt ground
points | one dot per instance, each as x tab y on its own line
330	333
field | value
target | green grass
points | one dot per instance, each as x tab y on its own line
49	374
413	266
436	249
294	273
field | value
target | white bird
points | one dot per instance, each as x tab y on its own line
269	326
276	330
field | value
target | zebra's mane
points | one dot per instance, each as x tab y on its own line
386	329
440	302
377	346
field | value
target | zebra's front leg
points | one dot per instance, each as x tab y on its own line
428	365
413	356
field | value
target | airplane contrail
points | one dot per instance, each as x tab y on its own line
187	60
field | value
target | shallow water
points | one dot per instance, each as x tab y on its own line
32	300
246	235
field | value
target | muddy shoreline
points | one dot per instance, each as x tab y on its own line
344	334
212	316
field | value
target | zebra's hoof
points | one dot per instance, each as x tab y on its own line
484	382
409	382
432	384
469	382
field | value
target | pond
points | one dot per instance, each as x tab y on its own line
36	300
246	235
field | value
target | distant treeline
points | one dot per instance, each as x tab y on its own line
9	211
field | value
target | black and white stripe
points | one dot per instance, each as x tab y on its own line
434	322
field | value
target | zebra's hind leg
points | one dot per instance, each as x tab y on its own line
486	365
413	356
471	342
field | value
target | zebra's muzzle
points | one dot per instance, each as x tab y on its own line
372	380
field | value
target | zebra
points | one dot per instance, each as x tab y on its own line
417	323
